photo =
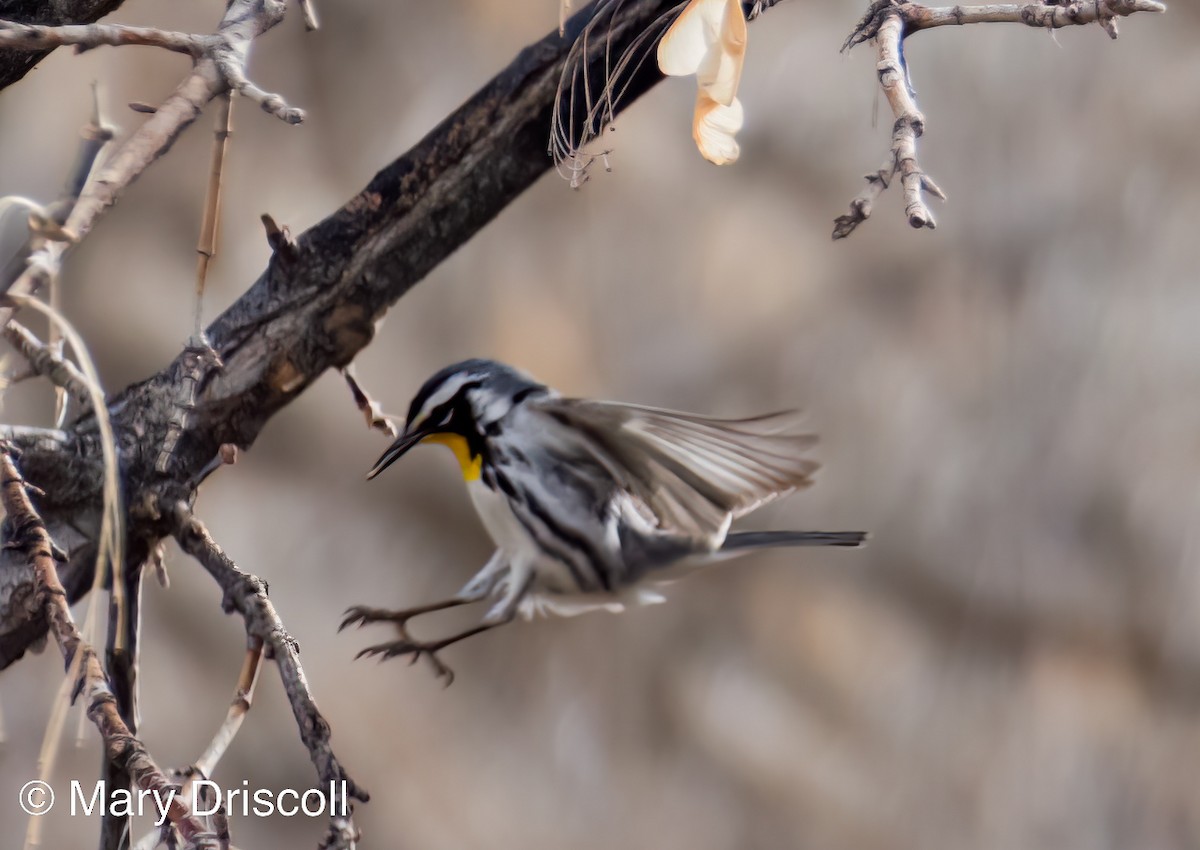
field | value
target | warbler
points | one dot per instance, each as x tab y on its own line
592	504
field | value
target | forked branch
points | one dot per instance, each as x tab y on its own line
247	595
121	747
889	22
220	66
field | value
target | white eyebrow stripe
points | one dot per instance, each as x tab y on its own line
444	393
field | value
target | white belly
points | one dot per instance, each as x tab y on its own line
523	556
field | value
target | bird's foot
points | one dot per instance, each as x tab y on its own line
408	646
362	615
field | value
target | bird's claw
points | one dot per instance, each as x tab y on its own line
412	648
362	615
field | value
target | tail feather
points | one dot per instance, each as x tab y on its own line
743	540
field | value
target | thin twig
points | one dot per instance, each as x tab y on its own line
247	595
271	103
889	22
1038	14
862	203
244	20
120	745
109	552
121	655
243	696
910	123
47	223
371	411
309	13
87	36
203	767
48	363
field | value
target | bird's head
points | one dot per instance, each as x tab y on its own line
461	407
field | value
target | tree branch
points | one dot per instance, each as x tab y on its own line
315	306
121	748
46	361
15	64
87	36
889	22
247	595
224	54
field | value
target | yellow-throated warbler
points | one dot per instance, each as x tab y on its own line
593	503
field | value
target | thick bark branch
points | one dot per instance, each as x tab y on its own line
315	306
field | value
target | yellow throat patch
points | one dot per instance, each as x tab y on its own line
458	444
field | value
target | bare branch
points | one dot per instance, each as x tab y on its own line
910	123
863	203
87	36
15	64
243	695
48	362
1038	14
889	22
316	304
272	104
120	746
244	20
309	13
370	408
247	595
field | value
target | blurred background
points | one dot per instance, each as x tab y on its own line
1007	403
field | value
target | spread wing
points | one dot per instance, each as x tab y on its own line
695	474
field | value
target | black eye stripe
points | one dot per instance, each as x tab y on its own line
445	411
521	395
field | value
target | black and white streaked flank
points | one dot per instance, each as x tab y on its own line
593	504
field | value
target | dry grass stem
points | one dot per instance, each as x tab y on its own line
243	696
206	248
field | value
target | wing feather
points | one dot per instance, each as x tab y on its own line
695	474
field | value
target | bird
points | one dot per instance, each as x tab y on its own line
592	505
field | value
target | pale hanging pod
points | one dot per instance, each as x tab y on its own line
708	39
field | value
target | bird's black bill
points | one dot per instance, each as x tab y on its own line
396	450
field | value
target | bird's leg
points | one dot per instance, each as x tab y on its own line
430	649
476	590
361	615
406	645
